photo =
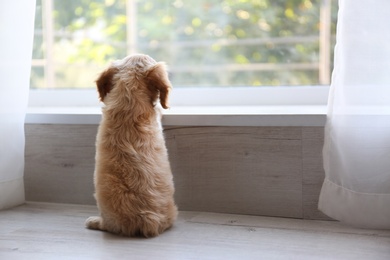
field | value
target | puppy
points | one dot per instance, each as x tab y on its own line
133	180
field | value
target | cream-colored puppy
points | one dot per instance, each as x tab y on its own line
133	180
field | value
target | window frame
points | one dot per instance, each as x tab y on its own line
249	107
211	96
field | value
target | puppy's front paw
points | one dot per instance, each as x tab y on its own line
93	222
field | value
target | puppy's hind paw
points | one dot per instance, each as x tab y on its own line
94	223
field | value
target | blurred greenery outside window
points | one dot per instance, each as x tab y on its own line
206	43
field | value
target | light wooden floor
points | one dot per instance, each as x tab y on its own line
56	231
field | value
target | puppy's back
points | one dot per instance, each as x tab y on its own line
133	180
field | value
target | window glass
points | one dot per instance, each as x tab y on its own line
205	43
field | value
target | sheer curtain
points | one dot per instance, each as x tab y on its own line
356	189
16	30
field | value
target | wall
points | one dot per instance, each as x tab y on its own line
269	171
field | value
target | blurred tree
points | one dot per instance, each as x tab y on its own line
205	42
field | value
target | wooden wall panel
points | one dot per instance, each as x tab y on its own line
245	170
313	171
60	163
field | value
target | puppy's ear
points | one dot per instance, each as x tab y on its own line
158	83
104	82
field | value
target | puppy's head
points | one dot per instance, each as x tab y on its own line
136	77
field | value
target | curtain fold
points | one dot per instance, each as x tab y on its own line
356	152
16	30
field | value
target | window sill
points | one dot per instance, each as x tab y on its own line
194	115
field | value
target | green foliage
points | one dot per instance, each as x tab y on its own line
203	41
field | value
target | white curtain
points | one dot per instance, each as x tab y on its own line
356	189
16	32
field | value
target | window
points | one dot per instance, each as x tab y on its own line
206	43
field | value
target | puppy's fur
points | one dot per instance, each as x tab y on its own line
133	180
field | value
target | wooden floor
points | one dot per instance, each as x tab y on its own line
56	231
